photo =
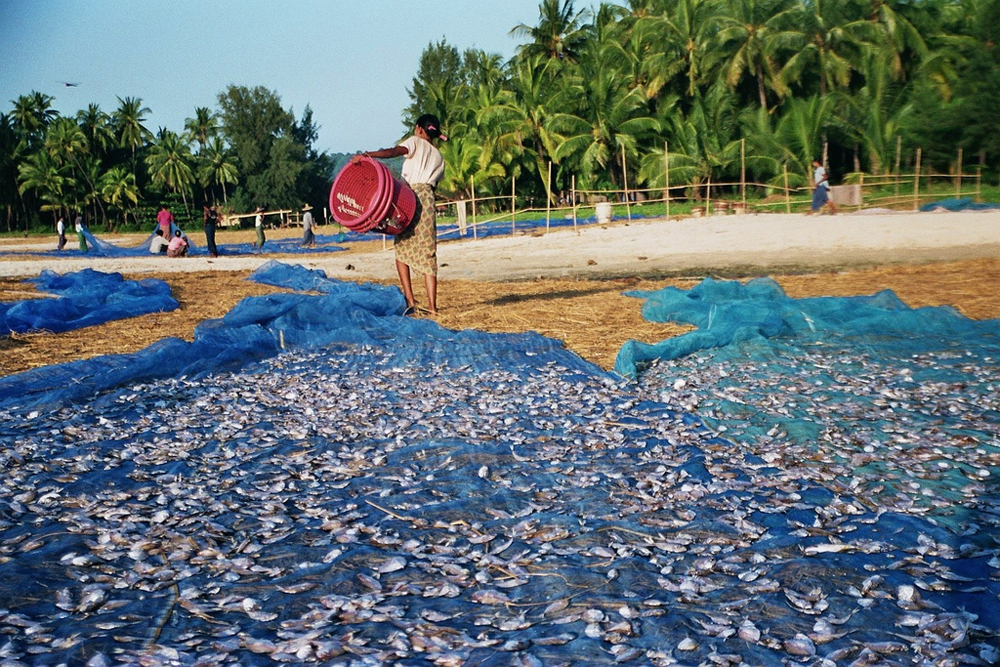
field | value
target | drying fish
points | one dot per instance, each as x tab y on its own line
339	502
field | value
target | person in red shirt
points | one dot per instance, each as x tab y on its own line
165	220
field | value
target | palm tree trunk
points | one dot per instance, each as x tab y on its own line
760	87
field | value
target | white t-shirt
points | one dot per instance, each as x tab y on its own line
157	244
259	220
60	227
423	163
819	177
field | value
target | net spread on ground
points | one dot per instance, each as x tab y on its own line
316	478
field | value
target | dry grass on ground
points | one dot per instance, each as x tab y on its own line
592	317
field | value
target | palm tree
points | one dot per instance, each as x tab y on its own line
118	187
703	143
802	129
128	119
748	35
464	166
514	121
559	34
217	166
877	113
65	141
67	144
828	40
12	149
48	178
203	126
611	117
96	126
32	114
169	164
679	38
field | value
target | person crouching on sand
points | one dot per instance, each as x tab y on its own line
178	246
158	244
423	169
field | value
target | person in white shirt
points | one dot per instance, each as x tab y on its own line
158	244
258	224
61	231
416	246
821	195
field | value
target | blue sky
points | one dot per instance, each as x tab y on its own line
350	60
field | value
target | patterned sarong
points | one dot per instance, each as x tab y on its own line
417	245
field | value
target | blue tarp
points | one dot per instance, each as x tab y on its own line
86	298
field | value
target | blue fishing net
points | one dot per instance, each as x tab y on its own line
728	313
97	247
85	298
520	226
344	485
959	204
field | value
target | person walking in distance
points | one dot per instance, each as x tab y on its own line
821	193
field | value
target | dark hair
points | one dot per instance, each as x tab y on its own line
177	232
159	232
431	125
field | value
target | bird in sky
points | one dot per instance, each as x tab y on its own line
69	84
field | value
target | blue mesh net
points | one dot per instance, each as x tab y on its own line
85	298
385	491
727	313
959	204
97	247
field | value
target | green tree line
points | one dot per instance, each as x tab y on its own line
706	85
853	82
110	167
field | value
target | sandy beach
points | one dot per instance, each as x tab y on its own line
724	244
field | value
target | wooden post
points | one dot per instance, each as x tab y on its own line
513	206
708	196
548	198
628	205
979	175
916	182
743	172
958	174
666	174
475	232
899	140
572	194
788	201
861	199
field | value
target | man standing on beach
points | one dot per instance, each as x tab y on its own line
308	238
258	225
61	231
821	195
211	215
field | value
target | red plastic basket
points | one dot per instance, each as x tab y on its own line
356	193
367	197
402	208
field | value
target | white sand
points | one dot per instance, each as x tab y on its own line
749	243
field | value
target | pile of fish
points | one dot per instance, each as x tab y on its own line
336	506
388	492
